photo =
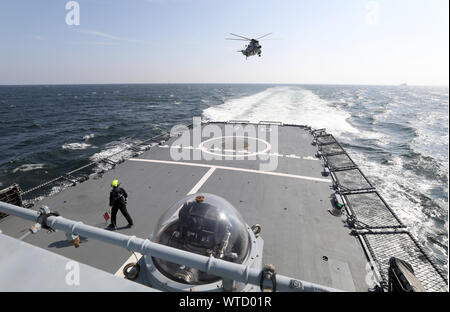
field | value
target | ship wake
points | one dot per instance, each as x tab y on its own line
287	104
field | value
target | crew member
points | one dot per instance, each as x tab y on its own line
118	201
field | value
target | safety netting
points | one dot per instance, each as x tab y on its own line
402	245
339	162
94	170
326	139
373	220
331	149
352	180
11	195
371	211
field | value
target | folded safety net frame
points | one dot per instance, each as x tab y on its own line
11	195
401	244
351	180
372	219
370	211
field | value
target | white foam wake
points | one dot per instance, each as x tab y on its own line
87	137
287	104
76	146
28	167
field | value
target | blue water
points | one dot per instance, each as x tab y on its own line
398	135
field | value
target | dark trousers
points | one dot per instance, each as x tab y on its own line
123	210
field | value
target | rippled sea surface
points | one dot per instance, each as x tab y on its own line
397	135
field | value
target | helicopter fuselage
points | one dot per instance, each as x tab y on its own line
253	48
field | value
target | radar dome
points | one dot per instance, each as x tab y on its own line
204	224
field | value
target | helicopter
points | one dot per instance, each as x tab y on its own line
253	48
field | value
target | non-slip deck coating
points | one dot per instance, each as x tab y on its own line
301	237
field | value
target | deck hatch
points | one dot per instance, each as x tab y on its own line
402	245
371	211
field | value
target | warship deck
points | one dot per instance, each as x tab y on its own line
302	239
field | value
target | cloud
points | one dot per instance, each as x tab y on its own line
97	43
108	36
99	34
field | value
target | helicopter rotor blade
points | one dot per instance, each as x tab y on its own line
241	37
236	39
263	36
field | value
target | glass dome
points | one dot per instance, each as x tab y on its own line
204	224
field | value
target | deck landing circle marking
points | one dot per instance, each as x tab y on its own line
224	154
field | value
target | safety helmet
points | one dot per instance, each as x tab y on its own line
115	183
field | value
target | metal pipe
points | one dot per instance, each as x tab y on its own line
217	267
19	211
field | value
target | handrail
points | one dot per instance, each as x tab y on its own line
104	159
211	265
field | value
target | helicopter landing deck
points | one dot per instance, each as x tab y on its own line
301	237
291	202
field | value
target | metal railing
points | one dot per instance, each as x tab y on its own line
76	176
11	195
211	265
373	221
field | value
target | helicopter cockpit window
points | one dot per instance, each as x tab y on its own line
204	224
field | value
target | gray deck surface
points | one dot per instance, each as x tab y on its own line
297	228
53	272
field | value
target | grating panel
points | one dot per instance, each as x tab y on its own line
371	210
331	149
352	180
401	245
339	161
327	139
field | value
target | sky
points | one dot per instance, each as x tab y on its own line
383	42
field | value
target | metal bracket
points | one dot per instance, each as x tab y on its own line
44	212
256	229
269	274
